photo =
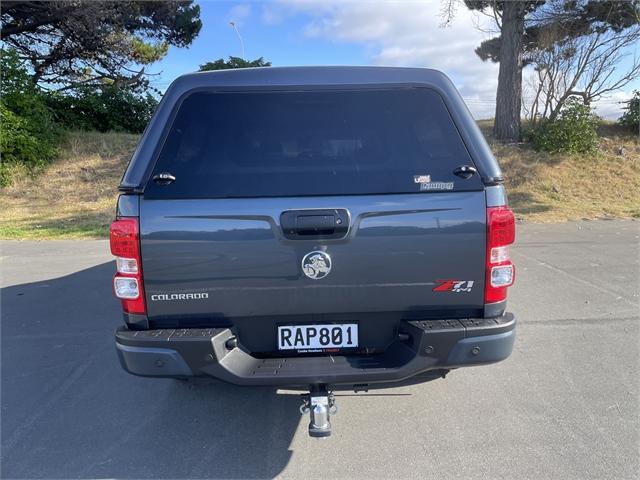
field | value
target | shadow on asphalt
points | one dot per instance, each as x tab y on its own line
70	411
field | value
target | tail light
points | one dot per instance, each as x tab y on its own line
124	238
501	232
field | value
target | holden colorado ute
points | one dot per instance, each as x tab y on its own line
320	228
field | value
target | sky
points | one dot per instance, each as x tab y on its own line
341	32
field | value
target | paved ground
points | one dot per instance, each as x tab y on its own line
565	405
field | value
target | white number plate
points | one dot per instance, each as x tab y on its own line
317	337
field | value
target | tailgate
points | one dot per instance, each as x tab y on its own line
398	249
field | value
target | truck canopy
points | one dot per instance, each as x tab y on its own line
305	79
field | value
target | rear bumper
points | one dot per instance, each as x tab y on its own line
429	346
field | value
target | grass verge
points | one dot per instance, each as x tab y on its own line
75	196
545	187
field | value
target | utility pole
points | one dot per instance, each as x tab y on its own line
235	27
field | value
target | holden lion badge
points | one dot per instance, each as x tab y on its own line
316	265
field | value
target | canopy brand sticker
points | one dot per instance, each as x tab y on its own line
421	179
436	186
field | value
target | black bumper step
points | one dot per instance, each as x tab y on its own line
429	345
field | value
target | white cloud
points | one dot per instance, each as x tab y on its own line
239	12
409	34
610	107
271	15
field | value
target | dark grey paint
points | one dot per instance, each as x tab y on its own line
397	247
288	78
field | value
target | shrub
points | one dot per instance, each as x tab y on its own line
104	109
573	131
28	135
20	141
21	144
631	116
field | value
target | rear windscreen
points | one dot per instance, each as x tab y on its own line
267	144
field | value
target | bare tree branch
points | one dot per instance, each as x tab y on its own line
588	66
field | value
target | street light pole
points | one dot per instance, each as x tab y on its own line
235	27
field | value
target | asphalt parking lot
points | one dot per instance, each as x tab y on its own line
564	405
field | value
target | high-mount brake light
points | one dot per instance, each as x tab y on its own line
124	239
501	232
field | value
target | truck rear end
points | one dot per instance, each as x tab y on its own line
313	227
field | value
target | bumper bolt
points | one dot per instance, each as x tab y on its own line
475	350
231	343
428	350
209	357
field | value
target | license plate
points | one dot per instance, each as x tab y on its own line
317	338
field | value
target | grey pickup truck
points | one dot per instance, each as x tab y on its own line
320	228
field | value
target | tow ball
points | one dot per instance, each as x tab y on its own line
320	404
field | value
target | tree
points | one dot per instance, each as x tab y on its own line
509	91
587	66
28	136
524	26
103	109
234	62
85	42
508	49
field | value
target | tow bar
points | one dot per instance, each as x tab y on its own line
320	404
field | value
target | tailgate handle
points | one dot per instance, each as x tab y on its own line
321	223
315	224
164	178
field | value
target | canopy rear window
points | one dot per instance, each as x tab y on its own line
301	143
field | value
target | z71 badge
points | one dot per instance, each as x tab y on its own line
456	286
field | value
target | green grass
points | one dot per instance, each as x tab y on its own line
37	232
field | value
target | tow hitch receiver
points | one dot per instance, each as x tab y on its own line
320	404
